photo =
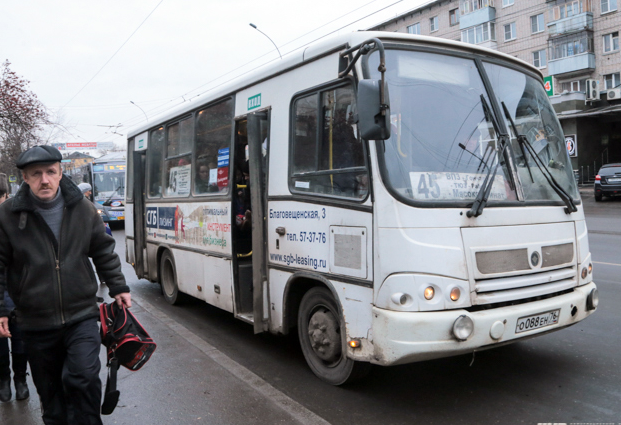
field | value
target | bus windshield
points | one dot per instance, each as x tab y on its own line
109	185
443	139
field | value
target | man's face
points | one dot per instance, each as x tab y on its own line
88	193
203	173
43	180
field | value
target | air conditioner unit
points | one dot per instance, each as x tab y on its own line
614	94
592	89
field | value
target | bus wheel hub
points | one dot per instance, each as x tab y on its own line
323	331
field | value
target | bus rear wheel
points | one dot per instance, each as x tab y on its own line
321	332
168	279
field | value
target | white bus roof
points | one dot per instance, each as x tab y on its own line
310	52
112	156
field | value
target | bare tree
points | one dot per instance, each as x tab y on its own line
22	117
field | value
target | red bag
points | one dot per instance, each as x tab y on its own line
124	337
127	343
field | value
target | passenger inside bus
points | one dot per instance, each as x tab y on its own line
203	184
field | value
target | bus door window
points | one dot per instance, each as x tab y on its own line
241	195
154	162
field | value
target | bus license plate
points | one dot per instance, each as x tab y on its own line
537	321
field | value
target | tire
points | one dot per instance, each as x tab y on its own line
168	280
320	325
598	198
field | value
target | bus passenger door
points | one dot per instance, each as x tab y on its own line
139	212
258	141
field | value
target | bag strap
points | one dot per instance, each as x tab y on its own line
111	397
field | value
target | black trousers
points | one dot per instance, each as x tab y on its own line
65	369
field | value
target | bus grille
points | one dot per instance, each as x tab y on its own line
505	289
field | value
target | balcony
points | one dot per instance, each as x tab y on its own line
572	64
571	24
477	17
476	12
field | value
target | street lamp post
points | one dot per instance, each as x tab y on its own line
255	27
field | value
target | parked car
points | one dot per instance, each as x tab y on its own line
608	181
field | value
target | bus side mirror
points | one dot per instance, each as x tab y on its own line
373	117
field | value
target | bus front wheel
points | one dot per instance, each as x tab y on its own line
168	279
321	334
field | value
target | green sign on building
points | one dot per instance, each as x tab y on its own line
547	84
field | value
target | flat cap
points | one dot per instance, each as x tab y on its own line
38	155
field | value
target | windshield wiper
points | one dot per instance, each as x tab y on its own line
482	161
526	146
113	193
481	200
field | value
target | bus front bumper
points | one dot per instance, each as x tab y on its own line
406	337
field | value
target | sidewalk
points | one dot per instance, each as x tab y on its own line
187	381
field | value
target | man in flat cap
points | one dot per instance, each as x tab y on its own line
47	232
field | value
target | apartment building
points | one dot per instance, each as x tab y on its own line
575	45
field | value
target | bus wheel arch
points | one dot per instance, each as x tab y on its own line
312	301
167	274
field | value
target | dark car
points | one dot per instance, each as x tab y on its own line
608	181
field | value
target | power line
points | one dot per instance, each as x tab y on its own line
113	55
304	45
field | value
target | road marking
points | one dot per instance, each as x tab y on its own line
293	408
607	264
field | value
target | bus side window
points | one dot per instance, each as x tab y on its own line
213	142
332	145
179	167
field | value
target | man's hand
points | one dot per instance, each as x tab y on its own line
4	327
124	298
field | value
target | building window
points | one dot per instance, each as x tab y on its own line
414	29
611	42
609	5
539	59
454	16
571	8
611	81
479	34
570	86
433	24
537	24
506	3
510	33
571	47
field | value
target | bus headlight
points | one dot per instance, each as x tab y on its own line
463	327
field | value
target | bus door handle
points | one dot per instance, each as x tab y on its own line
281	231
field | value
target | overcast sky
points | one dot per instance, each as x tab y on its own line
179	48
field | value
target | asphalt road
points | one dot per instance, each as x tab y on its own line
570	376
567	376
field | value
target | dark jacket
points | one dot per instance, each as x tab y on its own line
52	282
